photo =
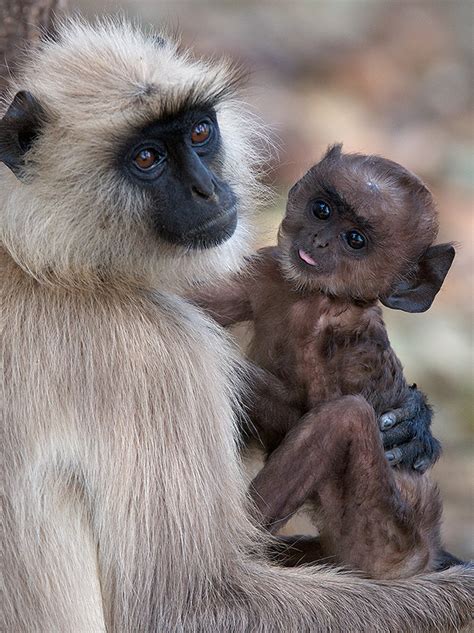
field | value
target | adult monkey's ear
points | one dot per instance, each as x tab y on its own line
19	128
416	294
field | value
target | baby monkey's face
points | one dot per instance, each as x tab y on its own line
353	224
323	234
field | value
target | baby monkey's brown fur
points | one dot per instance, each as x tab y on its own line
358	229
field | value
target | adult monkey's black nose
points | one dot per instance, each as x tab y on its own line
203	191
200	178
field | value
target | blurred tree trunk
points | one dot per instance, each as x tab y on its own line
21	21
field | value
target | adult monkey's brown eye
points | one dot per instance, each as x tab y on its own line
200	133
146	158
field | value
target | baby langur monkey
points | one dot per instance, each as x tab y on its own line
357	230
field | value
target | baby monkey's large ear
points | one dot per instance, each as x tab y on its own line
417	293
19	128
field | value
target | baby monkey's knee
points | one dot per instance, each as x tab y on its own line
353	415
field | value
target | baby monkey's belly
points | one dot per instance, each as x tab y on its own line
323	349
295	350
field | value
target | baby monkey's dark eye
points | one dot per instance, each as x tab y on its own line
321	209
146	158
355	239
201	133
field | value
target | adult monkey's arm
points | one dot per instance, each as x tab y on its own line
23	21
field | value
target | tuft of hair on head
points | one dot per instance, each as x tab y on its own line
333	152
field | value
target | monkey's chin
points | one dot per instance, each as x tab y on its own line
212	233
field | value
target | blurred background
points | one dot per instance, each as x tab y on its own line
387	77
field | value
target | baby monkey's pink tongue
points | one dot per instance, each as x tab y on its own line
306	258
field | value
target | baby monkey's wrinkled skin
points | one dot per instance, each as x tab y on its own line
357	230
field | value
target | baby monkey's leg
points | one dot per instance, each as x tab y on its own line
375	519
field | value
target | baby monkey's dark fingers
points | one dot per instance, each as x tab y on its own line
393	417
400	434
415	406
394	455
408	454
417	454
412	432
408	427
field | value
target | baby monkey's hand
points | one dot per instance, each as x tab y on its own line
406	434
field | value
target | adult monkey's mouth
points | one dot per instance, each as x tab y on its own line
214	231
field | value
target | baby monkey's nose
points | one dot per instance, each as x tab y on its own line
319	241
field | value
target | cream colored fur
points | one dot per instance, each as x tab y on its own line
125	506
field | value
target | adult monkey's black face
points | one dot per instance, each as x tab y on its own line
176	160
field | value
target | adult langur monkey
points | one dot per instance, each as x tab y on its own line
125	503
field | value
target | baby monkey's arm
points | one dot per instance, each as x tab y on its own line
227	302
